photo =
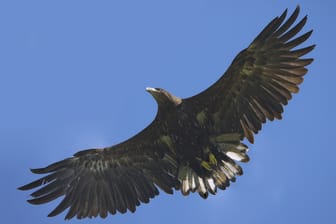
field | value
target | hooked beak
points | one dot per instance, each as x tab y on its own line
150	89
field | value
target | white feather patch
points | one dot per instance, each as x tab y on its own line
227	171
201	187
185	185
235	156
232	168
212	184
193	183
242	148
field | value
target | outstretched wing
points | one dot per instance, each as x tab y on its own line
260	80
101	181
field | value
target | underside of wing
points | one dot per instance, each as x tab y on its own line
260	80
101	181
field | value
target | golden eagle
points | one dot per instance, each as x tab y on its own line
192	144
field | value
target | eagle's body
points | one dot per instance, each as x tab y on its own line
193	144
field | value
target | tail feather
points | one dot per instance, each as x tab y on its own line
220	176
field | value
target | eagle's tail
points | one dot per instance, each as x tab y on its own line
220	170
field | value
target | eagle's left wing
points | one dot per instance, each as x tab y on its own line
260	80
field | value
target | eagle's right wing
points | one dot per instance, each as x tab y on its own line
101	181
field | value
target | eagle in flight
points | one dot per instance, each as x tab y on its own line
193	144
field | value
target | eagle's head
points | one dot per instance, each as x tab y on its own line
163	97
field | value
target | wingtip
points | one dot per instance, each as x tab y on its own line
284	14
51	214
24	187
32	201
37	170
21	188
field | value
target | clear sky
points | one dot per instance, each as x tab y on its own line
73	76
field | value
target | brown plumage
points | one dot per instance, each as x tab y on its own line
192	144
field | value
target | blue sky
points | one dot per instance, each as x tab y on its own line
73	76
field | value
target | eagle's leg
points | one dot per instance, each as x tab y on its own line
210	163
